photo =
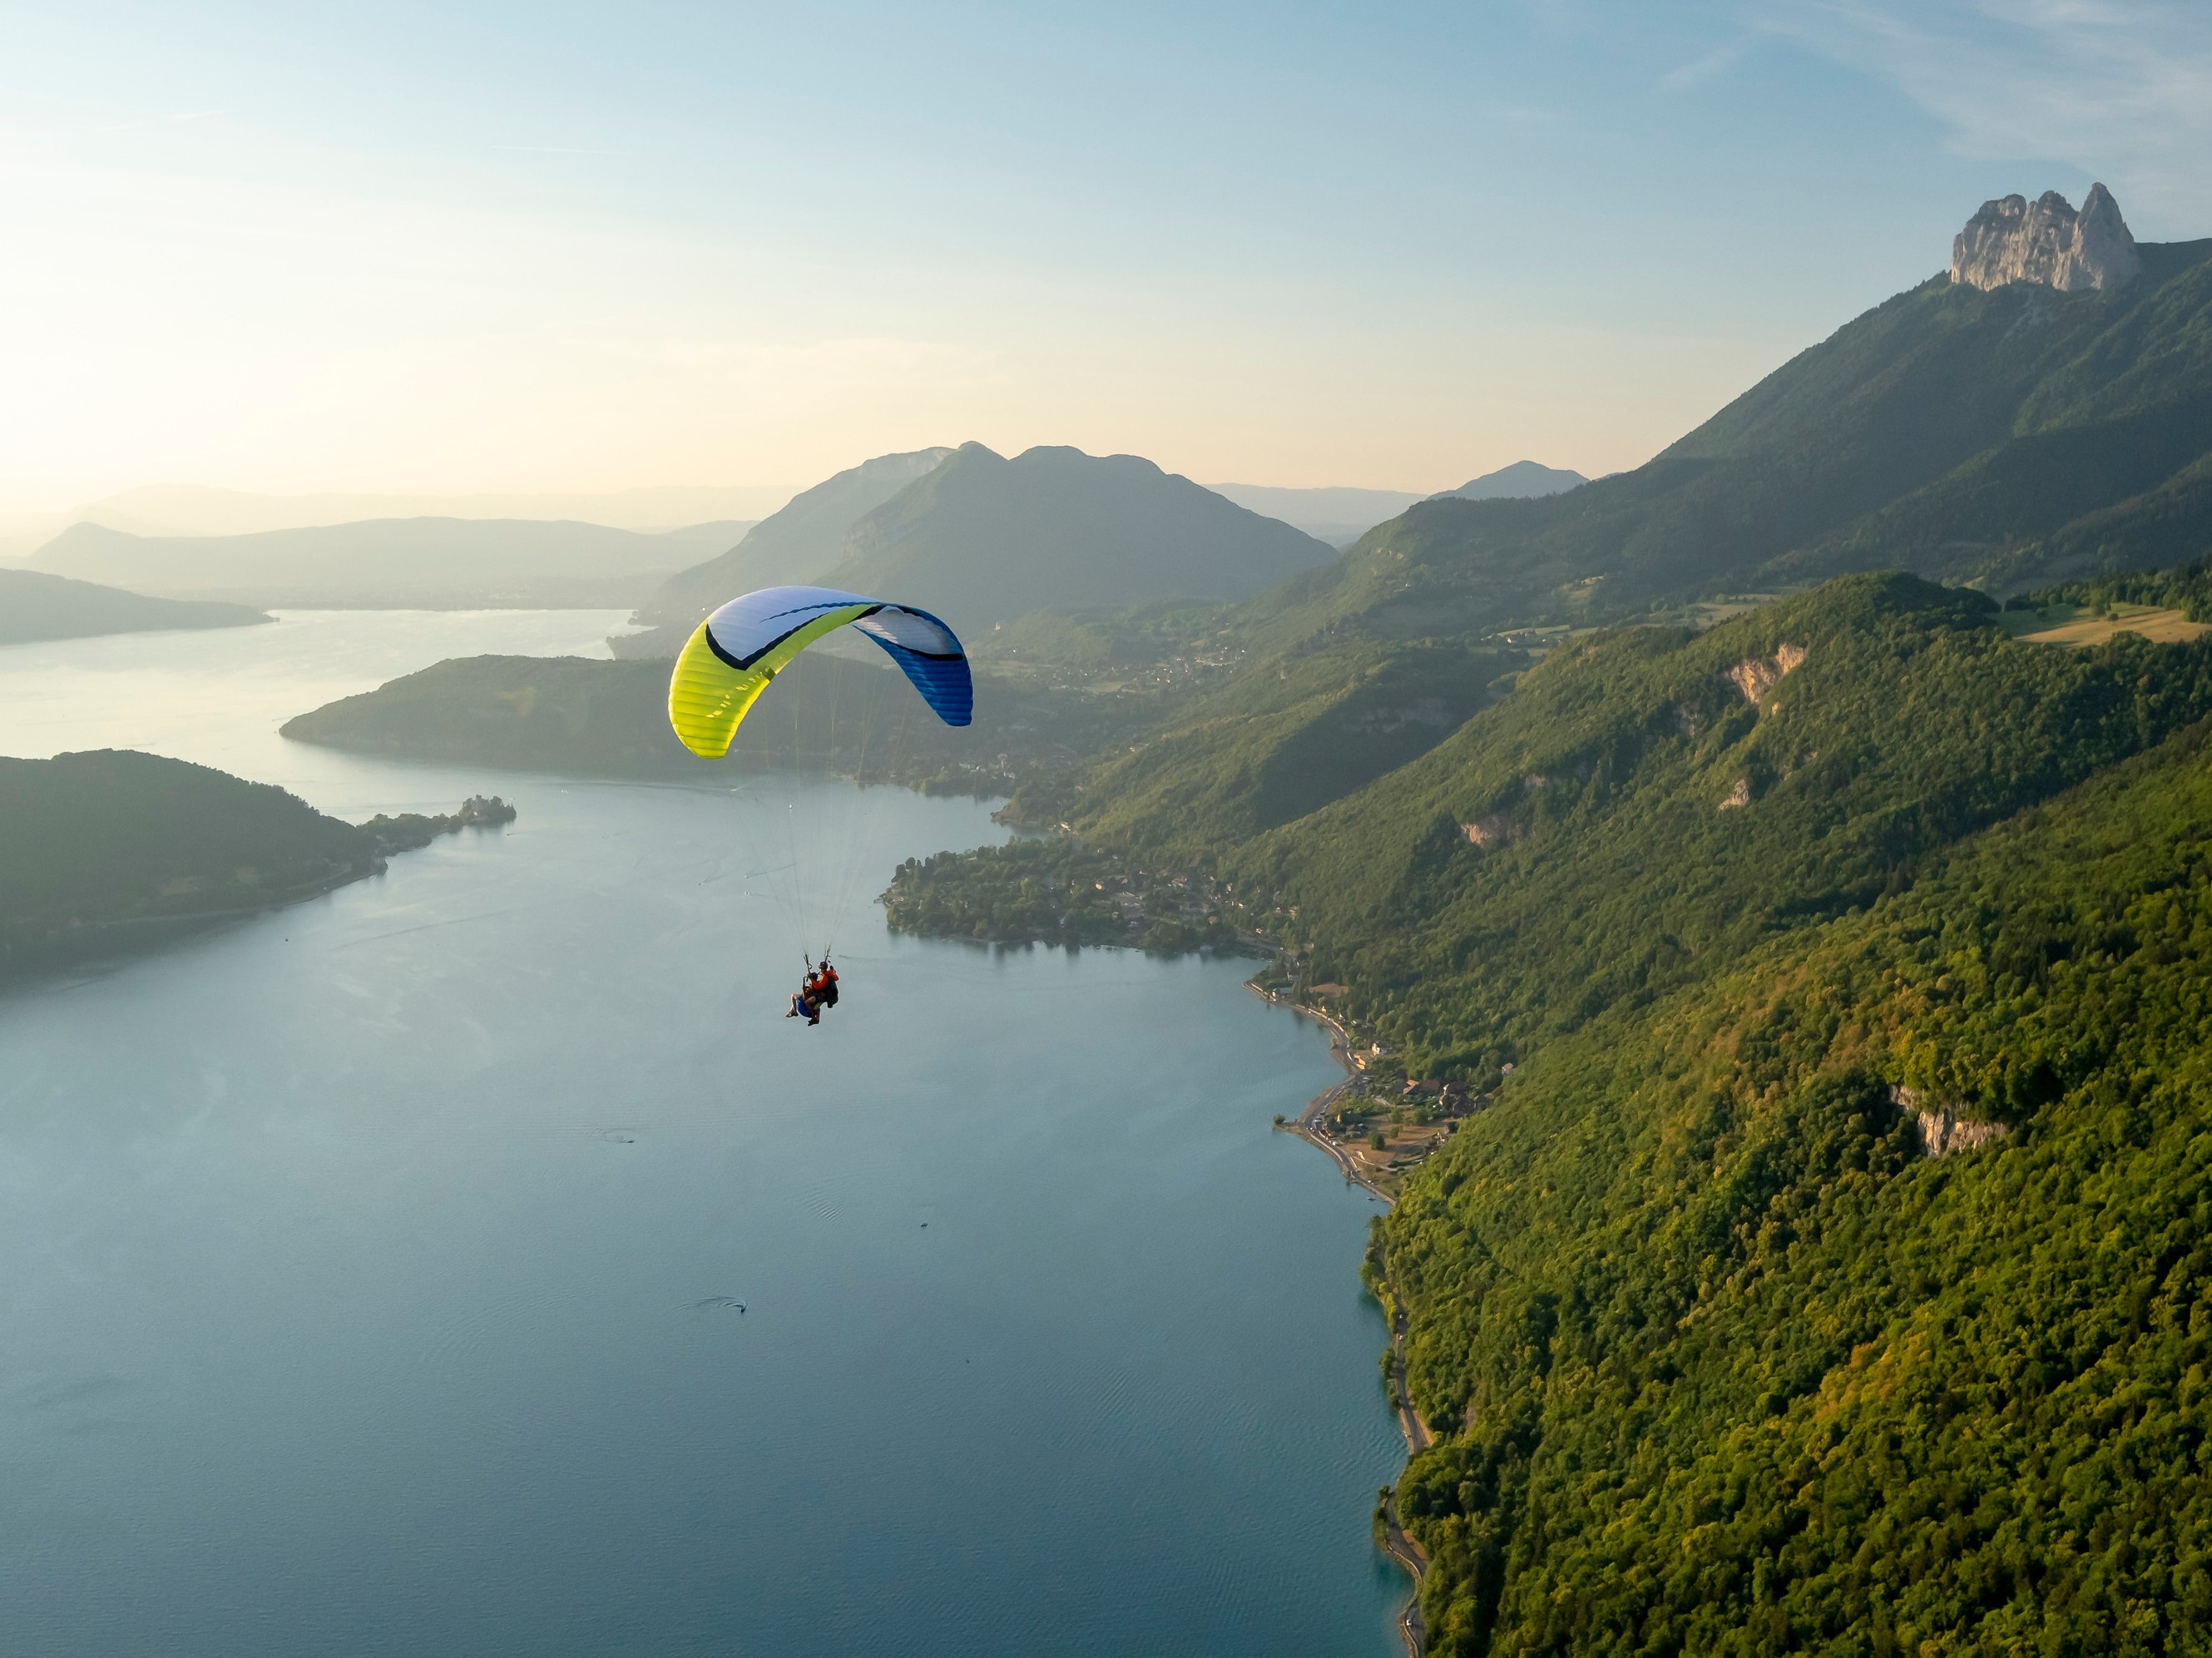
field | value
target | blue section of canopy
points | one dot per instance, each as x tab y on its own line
928	653
942	681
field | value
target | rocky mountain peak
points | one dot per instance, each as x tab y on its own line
2045	242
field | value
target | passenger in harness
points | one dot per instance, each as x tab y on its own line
817	991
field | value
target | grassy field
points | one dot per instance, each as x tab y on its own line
2082	625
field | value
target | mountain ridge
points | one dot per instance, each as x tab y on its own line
1520	480
1786	485
984	539
794	545
991	539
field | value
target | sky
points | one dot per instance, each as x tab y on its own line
579	247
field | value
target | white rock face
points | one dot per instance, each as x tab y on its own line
2046	242
1942	1131
1756	677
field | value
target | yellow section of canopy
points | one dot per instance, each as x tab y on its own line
708	695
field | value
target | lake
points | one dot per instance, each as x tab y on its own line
373	1266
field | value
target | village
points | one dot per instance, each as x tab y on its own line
1379	1124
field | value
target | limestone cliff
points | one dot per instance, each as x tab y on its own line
2046	242
1944	1132
1756	677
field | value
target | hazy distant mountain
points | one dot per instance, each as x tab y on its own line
1340	516
1333	514
34	605
1523	480
984	540
795	544
192	509
433	562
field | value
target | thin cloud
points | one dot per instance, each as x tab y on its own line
1718	61
2121	89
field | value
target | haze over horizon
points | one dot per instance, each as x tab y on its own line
583	251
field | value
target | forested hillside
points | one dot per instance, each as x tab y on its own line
1738	929
1650	803
1264	750
2009	439
116	835
105	843
1725	1360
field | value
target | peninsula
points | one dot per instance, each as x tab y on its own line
35	606
108	849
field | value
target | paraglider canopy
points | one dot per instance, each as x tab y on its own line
734	652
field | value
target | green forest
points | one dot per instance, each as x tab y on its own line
1727	1363
1720	1356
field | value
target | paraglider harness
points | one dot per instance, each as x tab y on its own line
817	991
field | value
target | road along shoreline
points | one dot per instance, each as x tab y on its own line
1307	1126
